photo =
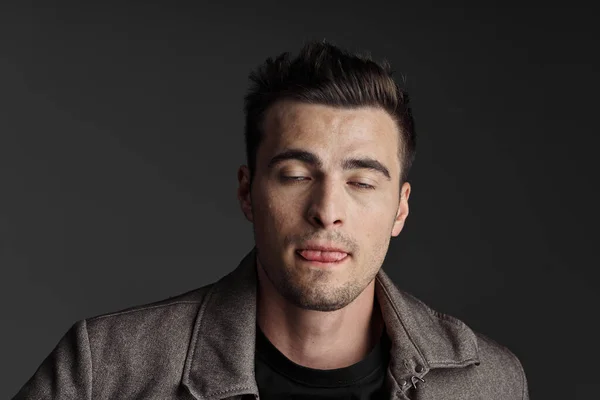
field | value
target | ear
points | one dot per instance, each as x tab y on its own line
402	212
243	192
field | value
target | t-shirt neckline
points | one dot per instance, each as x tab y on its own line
377	358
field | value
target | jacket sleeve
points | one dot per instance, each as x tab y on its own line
525	385
66	373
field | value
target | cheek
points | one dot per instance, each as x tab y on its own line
276	211
377	227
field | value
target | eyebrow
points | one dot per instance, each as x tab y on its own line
313	160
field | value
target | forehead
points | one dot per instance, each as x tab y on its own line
331	131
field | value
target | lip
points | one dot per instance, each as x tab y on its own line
322	247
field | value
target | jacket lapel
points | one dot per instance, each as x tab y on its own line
220	361
422	339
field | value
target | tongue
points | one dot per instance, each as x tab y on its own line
322	256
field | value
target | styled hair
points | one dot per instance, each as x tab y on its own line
322	73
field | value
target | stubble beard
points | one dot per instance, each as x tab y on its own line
314	292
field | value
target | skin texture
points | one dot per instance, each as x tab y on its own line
323	316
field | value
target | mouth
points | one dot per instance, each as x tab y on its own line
322	257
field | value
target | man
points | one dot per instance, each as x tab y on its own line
308	313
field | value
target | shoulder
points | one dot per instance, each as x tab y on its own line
494	372
497	360
169	319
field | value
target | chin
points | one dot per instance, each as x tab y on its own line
317	302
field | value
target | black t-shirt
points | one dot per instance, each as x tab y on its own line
280	378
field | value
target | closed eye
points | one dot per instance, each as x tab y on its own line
363	185
359	185
294	178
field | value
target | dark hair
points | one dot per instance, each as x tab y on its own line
325	74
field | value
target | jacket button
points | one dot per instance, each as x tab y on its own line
403	382
419	368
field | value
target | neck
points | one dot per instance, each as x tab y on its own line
316	339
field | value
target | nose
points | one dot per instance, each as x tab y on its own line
327	206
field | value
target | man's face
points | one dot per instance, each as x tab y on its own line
325	177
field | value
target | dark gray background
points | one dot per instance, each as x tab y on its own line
121	133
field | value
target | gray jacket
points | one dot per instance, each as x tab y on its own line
200	345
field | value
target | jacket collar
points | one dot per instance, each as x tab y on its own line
220	359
